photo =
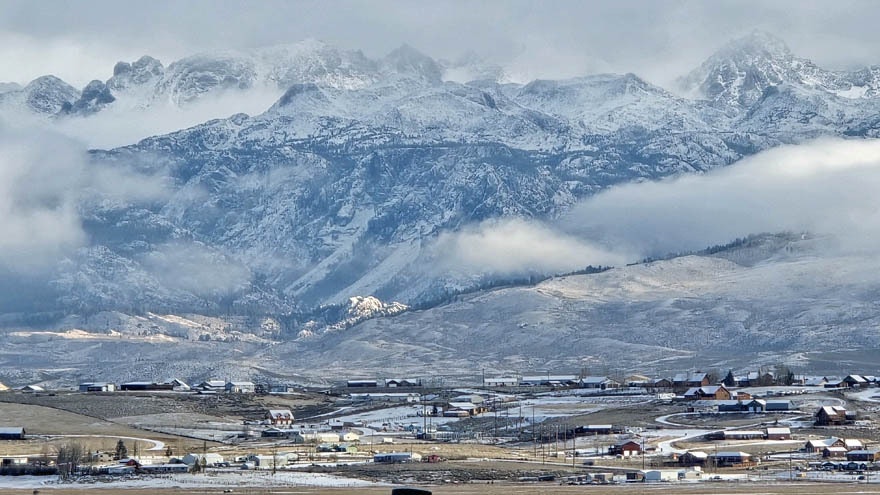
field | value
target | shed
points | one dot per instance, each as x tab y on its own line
12	433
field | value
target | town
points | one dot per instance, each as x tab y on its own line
574	429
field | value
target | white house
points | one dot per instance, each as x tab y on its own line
349	436
240	387
280	417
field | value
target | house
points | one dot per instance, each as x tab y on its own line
816	446
863	455
403	382
693	458
396	457
853	444
280	417
831	415
598	382
97	387
501	381
755	379
349	436
732	459
854	381
626	449
659	385
269	461
684	381
834	452
12	433
708	392
463	409
361	384
636	381
212	385
240	387
815	381
32	389
778	433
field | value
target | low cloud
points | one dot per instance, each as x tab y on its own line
126	122
826	187
44	180
194	268
516	246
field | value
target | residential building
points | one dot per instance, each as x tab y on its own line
708	392
779	433
598	382
240	387
626	449
280	417
831	415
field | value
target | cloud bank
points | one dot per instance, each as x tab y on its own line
44	178
826	187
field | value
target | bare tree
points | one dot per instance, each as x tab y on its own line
69	457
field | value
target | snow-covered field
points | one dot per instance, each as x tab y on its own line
210	480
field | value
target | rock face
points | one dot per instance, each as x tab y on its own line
339	189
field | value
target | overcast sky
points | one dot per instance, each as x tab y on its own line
80	41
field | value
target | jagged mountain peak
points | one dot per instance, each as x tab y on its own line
756	44
406	60
736	76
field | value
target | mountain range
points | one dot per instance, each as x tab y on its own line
341	188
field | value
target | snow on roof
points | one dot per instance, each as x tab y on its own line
697	454
283	413
833	410
824	442
595	379
778	431
11	430
739	433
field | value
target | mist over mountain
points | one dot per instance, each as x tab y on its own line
324	175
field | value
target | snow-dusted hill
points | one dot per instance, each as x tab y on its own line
756	303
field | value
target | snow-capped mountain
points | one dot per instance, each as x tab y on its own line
737	76
339	189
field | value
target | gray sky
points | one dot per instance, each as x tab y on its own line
79	41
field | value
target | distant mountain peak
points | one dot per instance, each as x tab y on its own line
757	43
737	75
406	60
